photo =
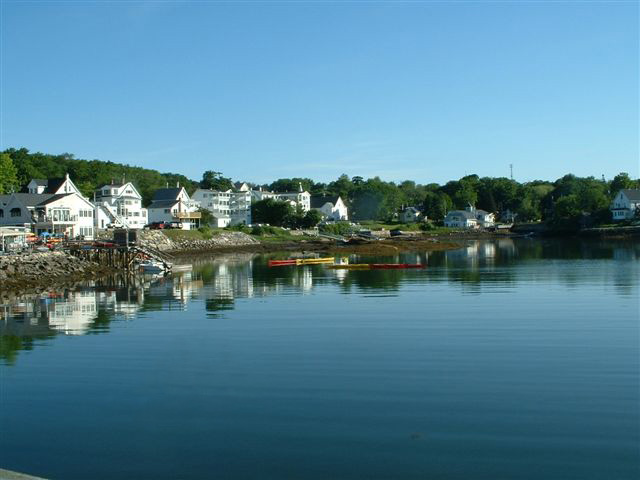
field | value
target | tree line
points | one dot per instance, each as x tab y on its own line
565	201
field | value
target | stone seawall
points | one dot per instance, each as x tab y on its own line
157	240
43	270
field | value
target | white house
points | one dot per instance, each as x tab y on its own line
55	206
301	197
460	219
332	207
485	219
410	215
469	218
68	214
120	205
174	205
227	208
625	204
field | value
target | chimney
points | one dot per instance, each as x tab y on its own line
123	182
177	184
300	187
167	185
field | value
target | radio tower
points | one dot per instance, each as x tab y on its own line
511	169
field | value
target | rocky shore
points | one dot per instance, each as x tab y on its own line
157	240
39	271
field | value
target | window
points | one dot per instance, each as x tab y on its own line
166	210
1	213
16	212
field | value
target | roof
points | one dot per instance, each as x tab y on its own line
162	203
53	198
463	213
483	212
632	194
43	182
412	209
54	184
167	193
317	201
32	199
4	199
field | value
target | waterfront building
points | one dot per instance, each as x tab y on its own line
469	218
625	205
119	205
331	207
173	205
227	208
54	206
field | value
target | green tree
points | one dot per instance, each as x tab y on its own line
272	212
8	174
436	205
215	181
621	181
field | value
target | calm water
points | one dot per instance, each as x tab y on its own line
502	360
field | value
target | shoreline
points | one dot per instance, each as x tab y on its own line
38	273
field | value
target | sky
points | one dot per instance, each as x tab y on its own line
425	91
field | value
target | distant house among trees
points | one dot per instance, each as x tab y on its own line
626	204
330	206
411	215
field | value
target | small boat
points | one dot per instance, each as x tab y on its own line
154	267
300	261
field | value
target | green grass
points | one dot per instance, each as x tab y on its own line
202	233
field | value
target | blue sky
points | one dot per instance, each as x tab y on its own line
426	91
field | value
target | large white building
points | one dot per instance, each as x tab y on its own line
55	206
227	208
625	204
300	198
119	205
174	205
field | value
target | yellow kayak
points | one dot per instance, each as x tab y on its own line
313	261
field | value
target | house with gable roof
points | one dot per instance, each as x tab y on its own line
55	206
174	205
120	205
470	217
625	204
331	206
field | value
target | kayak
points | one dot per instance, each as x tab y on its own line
300	261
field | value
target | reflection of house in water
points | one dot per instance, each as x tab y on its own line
176	289
73	313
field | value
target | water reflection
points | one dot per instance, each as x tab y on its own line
218	282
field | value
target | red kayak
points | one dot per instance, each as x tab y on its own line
397	265
278	263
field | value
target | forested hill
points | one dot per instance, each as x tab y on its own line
88	175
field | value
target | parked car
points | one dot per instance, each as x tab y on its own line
157	226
